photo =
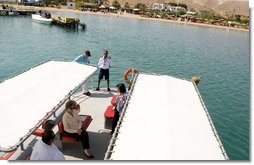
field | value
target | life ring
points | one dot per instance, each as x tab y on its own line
126	73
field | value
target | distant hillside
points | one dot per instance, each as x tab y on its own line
223	7
241	8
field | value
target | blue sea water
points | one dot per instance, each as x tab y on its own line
220	56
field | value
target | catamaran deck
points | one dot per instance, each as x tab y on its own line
95	105
171	119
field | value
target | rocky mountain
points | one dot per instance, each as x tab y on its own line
223	7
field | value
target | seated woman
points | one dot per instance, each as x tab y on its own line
120	102
72	126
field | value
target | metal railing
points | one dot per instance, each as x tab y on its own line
116	76
211	124
114	136
115	73
112	144
48	115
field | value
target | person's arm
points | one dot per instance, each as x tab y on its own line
100	62
67	126
76	115
77	59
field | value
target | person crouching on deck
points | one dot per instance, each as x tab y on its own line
120	102
72	126
84	59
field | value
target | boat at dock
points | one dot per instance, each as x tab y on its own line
72	23
40	19
163	113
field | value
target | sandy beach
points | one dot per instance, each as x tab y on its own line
124	15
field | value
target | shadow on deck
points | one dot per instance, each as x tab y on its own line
98	136
98	147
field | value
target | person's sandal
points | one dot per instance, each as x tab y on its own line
88	157
87	93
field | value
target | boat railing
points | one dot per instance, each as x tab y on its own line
115	134
211	124
51	113
116	76
112	143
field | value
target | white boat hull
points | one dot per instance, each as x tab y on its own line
41	19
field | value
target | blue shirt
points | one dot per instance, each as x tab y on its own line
82	59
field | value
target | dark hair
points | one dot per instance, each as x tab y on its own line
106	51
121	87
88	53
48	136
49	124
70	104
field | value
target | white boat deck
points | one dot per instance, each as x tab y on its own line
181	125
95	105
34	95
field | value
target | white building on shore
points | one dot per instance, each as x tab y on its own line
158	6
164	7
8	0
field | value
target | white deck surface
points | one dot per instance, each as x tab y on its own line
98	136
165	121
26	98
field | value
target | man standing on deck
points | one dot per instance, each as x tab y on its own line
84	59
104	65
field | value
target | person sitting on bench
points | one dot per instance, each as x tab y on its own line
72	126
44	149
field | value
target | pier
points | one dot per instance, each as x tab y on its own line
15	12
73	23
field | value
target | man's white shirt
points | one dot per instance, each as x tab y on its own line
42	151
105	63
